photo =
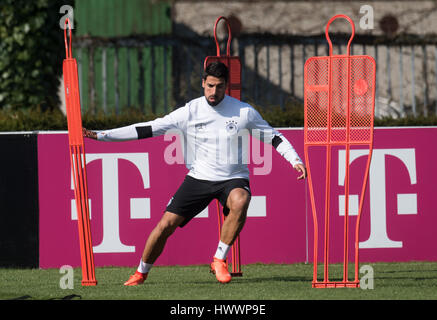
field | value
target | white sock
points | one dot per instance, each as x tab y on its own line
222	250
144	267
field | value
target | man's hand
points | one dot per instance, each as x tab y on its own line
89	134
301	168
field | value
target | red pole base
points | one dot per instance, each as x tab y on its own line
237	274
89	283
336	284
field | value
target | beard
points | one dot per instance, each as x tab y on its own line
215	102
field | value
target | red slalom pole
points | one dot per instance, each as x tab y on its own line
234	90
78	161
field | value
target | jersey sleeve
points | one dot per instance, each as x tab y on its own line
175	120
262	130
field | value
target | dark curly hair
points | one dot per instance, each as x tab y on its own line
216	69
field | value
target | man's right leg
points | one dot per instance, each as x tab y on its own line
155	245
159	235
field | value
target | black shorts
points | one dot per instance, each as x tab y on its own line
194	195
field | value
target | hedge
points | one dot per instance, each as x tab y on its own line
31	53
36	119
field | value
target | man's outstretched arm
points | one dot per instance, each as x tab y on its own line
278	141
285	149
143	130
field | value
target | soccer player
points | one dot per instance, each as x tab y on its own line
208	125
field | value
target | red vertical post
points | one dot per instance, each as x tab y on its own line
78	161
234	90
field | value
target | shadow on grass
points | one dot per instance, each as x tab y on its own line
69	297
407	278
409	271
278	279
247	280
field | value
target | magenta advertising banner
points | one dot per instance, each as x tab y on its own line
130	184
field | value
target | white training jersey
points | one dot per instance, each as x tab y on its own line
215	139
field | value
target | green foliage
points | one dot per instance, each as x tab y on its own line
31	53
101	121
36	119
409	121
32	120
291	116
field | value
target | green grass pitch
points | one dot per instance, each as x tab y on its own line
393	281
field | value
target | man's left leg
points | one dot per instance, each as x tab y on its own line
155	245
238	203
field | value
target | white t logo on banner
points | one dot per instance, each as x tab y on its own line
406	203
139	207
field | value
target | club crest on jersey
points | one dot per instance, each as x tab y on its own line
200	126
231	126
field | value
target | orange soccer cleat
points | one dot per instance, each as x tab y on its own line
220	269
136	279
